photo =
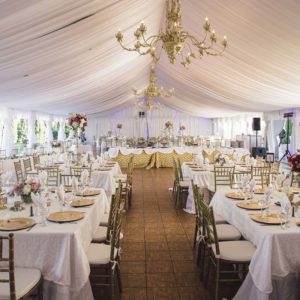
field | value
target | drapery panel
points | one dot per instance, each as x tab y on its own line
61	55
134	126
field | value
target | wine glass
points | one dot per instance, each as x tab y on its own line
261	204
283	216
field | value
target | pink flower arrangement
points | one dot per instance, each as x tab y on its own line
168	125
119	126
294	162
76	121
26	188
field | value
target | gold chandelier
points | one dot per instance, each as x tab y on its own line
174	40
150	93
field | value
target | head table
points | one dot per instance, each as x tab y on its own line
275	267
58	249
163	157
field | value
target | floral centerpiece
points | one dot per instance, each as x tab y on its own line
76	121
119	126
169	125
24	189
182	127
294	163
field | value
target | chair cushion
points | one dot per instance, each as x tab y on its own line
26	279
239	251
227	232
104	220
184	183
99	254
100	234
219	219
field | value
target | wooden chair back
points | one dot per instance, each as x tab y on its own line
261	175
7	264
19	172
66	179
116	232
223	176
52	176
36	161
27	165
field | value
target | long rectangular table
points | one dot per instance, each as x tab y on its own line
58	250
274	270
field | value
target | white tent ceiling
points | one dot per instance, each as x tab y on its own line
59	56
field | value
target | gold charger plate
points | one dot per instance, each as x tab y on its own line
270	219
13	224
197	169
104	169
259	191
237	196
68	189
294	190
65	216
250	205
90	192
82	202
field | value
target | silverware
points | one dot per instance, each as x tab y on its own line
31	227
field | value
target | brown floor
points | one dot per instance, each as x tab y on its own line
158	260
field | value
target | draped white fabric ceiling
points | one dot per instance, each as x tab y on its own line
61	55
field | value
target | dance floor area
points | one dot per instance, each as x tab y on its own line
158	261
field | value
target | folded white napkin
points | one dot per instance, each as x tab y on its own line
252	161
252	184
38	201
43	178
6	177
285	204
84	178
60	193
245	179
267	193
96	165
74	184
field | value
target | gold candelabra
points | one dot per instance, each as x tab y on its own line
174	40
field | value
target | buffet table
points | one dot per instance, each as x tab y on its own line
58	250
275	267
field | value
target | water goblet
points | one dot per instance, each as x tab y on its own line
261	204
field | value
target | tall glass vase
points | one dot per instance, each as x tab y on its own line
77	146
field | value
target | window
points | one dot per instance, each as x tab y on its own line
67	130
55	130
40	130
20	126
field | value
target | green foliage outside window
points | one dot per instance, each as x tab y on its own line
67	130
21	131
55	129
40	131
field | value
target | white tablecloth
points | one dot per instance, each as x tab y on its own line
113	152
58	250
275	267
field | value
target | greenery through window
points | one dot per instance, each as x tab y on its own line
67	130
20	127
40	130
55	130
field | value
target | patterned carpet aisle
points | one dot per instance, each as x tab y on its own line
157	261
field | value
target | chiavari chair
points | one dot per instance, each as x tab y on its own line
103	232
18	170
52	176
66	179
223	176
104	261
78	170
230	257
27	167
36	161
261	175
180	188
17	283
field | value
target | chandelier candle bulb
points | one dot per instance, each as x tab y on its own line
174	39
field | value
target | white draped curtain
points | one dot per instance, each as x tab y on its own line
230	127
134	126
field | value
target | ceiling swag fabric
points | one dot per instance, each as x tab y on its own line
61	55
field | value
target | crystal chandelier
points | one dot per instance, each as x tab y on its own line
174	40
150	93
